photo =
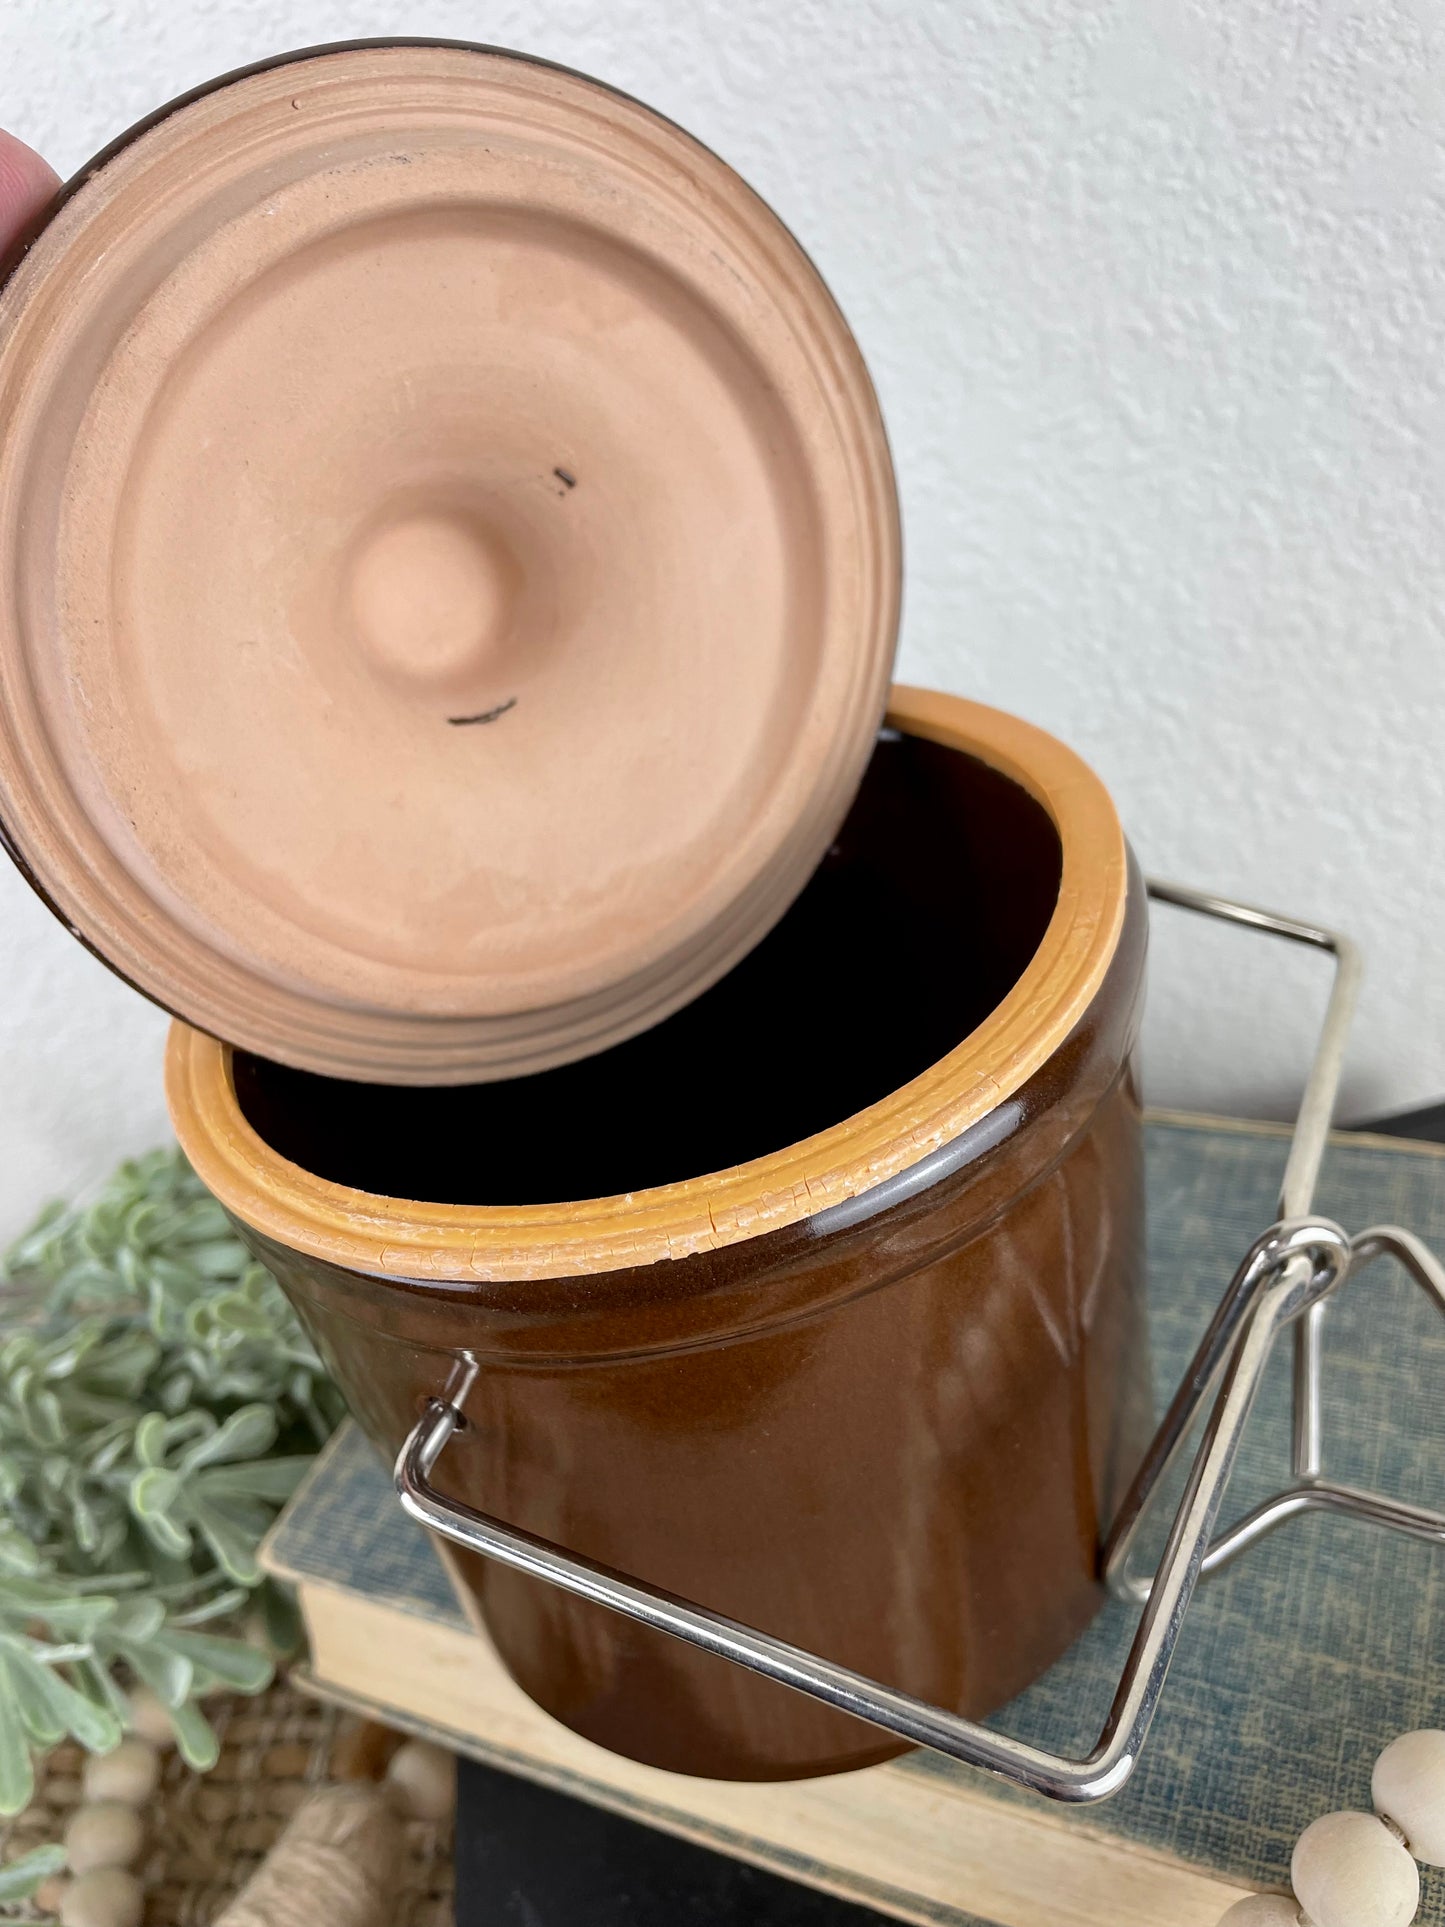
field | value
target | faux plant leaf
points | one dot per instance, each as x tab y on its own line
19	1878
90	1713
172	1541
182	1429
217	1259
110	1709
165	1570
63	1359
55	1476
17	1775
174	1392
149	1371
198	1743
28	1684
169	1675
46	1418
224	1605
114	1441
272	1480
18	1556
84	1523
281	1619
200	1320
125	1365
44	1652
234	1548
44	1599
136	1619
153	1494
151	1490
229	1662
246	1434
95	1583
238	1314
27	1251
150	1439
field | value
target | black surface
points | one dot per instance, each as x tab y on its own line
912	929
1427	1124
528	1857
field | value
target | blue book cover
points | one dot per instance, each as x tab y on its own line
1296	1667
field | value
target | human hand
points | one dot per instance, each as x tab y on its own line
26	184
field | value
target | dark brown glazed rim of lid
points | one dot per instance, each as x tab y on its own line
210	820
473	1244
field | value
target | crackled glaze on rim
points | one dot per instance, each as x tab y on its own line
412	1239
450	563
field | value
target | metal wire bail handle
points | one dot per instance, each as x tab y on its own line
1284	1279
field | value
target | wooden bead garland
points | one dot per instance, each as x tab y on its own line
1349	1870
106	1834
109	1897
1263	1910
337	1862
1408	1789
103	1833
149	1719
1358	1869
129	1773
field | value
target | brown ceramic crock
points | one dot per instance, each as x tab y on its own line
449	574
819	1303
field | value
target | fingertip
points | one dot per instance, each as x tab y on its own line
26	184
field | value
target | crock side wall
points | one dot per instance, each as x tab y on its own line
897	1444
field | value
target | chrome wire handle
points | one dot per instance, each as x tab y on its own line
1309	1490
1284	1279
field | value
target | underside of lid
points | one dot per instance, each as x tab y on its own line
448	563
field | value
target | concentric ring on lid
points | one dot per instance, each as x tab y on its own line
449	563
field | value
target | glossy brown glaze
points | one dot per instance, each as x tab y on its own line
895	1443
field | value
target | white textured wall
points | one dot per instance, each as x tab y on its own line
1155	299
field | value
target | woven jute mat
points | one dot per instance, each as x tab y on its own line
208	1832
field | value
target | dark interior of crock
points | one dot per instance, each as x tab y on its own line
919	920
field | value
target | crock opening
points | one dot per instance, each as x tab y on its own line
918	922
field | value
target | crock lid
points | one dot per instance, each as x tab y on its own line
448	563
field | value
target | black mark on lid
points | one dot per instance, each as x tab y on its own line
486	715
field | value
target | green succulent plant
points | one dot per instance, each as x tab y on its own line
158	1403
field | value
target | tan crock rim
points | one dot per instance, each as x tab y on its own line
368	1233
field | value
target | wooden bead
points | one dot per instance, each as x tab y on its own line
103	1833
130	1773
424	1778
1263	1910
1349	1870
149	1719
109	1897
1409	1788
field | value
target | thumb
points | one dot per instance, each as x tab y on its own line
26	184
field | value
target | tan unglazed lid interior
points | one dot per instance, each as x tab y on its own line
448	563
